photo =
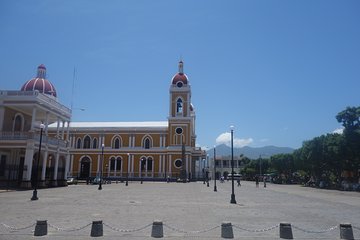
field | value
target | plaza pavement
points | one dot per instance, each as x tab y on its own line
188	211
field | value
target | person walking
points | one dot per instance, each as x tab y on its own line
264	182
238	182
257	181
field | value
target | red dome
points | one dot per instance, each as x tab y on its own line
180	77
40	84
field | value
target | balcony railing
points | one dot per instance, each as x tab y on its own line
11	136
45	98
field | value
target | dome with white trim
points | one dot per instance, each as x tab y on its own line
40	83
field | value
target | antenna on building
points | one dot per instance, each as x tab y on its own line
72	90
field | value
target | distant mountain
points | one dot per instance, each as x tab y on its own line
250	152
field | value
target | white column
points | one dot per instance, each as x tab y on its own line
57	129
67	165
71	164
153	168
29	155
160	163
46	123
130	141
121	168
56	165
63	130
43	170
33	119
132	165
68	132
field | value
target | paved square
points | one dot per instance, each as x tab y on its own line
191	211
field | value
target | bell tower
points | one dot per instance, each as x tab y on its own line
181	110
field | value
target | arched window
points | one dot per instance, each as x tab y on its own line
87	142
18	123
143	163
179	106
149	164
116	143
112	164
95	145
147	143
118	163
78	143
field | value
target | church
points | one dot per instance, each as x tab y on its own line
38	139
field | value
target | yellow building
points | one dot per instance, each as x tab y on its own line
147	150
38	141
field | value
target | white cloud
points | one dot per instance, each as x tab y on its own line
225	138
339	130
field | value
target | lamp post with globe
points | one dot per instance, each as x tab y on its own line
101	166
232	166
215	189
34	196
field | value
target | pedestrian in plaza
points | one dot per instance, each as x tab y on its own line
264	182
257	181
238	182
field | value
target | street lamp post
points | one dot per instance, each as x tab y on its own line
207	170
232	166
141	168
127	171
101	166
34	196
215	189
203	170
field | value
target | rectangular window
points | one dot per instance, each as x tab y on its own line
2	165
225	163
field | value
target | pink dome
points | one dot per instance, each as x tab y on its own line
40	83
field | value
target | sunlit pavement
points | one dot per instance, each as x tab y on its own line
187	210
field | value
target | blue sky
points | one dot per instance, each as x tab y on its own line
279	71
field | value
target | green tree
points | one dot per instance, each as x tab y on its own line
350	119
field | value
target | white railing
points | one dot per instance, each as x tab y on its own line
9	136
40	96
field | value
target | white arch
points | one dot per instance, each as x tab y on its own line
113	141
147	136
22	121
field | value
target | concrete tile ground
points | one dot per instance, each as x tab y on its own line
188	211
